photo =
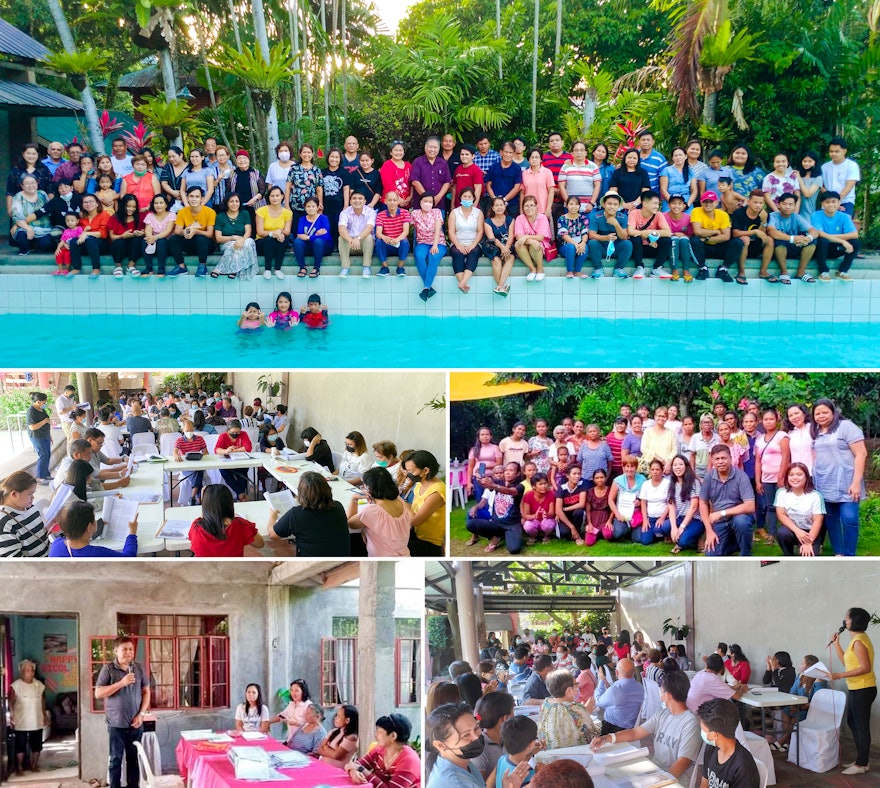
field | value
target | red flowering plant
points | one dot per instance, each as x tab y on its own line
628	135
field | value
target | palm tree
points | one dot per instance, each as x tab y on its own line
157	20
85	92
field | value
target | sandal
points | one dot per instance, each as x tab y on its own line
771	280
491	547
579	542
676	550
301	273
569	275
741	280
472	541
688	277
808	279
785	279
232	276
314	273
214	275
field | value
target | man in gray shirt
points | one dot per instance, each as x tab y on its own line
125	691
675	729
727	506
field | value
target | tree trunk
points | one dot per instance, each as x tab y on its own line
710	104
344	37
307	62
498	35
558	36
248	99
293	21
203	54
535	67
88	100
590	97
170	82
326	74
263	42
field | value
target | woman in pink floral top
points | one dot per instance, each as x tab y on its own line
430	242
783	180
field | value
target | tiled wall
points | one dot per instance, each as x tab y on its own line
838	302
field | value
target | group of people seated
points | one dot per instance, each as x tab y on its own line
399	510
465	200
712	486
592	690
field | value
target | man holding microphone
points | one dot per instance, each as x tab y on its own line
125	691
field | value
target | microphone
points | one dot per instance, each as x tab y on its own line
839	630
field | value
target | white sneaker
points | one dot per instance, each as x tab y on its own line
367	273
279	274
343	273
267	274
639	273
530	277
539	277
856	769
660	273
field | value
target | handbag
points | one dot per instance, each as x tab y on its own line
550	250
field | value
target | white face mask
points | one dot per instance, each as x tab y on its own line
188	435
284	156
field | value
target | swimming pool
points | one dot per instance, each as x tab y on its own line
368	341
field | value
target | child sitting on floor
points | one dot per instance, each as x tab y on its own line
71	232
314	315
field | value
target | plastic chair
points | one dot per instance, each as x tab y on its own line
651	704
167	441
254	434
760	750
155	780
762	773
337	458
819	734
456	488
142	438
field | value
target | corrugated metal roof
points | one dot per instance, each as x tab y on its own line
150	77
22	94
17	43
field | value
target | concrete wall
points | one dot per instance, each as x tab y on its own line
789	606
380	405
141	587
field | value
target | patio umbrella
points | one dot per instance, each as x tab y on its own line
477	385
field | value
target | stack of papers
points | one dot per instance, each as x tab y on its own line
142	496
197	735
581	753
238	456
281	501
253	735
289	759
250	763
174	529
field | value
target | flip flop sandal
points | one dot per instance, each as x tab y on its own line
741	280
301	274
676	550
118	273
785	279
771	279
314	273
491	547
808	279
232	276
214	275
472	541
133	272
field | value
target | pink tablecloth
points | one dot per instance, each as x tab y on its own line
214	770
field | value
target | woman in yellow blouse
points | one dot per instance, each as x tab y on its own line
273	229
658	442
858	663
428	506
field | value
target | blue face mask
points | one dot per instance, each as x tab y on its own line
706	738
467	203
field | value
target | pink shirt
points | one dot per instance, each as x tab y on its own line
386	535
425	224
150	220
396	179
637	221
536	184
586	684
682	225
800	444
770	453
706	686
541	225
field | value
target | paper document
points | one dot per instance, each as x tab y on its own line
197	735
62	496
129	467
238	456
174	529
85	406
253	735
117	514
281	501
610	754
818	671
142	496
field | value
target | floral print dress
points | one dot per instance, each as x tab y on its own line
304	183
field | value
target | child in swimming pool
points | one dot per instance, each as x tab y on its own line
252	318
313	314
283	317
71	232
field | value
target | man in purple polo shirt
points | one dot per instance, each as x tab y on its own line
70	169
430	173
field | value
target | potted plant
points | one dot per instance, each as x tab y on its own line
269	388
676	629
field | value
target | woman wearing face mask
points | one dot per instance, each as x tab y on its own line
428	505
355	459
392	763
455	740
278	171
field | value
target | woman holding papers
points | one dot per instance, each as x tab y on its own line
858	663
22	531
219	533
78	524
318	525
385	519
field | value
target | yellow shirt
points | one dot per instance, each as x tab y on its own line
433	530
204	216
851	662
273	223
719	221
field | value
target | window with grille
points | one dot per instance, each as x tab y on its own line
408	661
185	657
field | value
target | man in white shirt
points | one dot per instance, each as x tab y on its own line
120	158
65	404
841	175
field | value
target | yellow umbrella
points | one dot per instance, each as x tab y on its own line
477	385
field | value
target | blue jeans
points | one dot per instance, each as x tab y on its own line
383	250
622	252
766	509
43	243
734	533
658	528
43	448
573	261
621	530
316	248
690	536
842	525
122	743
427	263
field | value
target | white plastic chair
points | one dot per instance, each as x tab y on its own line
760	750
143	438
337	458
155	780
254	434
819	734
697	771
651	704
762	773
456	489
221	428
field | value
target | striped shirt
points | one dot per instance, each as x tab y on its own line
555	163
22	534
196	444
392	226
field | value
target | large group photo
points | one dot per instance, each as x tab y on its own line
222	465
641	673
686	464
211	675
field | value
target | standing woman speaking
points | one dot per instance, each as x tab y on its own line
858	663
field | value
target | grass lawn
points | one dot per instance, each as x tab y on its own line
564	547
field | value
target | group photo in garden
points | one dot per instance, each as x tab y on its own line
663	464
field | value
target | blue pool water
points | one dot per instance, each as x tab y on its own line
212	342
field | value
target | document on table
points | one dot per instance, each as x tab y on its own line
281	501
117	514
610	754
238	456
174	529
142	496
62	496
199	734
